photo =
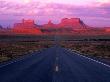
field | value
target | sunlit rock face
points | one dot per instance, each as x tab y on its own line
26	27
25	24
65	26
49	28
73	26
107	29
74	23
49	24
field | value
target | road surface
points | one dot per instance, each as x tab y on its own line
55	64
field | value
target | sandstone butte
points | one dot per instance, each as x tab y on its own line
67	25
26	27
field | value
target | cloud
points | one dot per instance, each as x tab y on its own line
39	8
96	10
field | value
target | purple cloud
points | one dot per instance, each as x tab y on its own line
55	11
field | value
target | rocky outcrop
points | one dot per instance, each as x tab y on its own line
73	26
65	26
49	25
26	27
74	23
107	29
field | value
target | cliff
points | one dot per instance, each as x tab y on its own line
26	27
74	23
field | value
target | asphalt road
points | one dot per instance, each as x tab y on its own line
55	64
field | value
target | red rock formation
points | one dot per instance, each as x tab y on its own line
26	27
73	26
75	23
49	24
107	29
25	24
66	26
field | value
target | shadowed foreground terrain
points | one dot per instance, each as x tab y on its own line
11	50
98	49
15	46
55	64
51	60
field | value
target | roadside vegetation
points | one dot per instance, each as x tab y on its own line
99	49
16	49
12	50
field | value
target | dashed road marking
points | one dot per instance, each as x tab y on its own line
16	60
56	68
57	58
95	60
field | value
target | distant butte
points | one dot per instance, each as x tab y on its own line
26	27
73	26
49	24
75	23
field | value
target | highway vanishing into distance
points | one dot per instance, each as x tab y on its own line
54	64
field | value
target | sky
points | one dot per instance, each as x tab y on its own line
92	12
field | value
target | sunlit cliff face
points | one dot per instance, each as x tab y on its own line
26	27
108	30
71	26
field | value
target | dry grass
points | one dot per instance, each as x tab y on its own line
11	50
100	49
